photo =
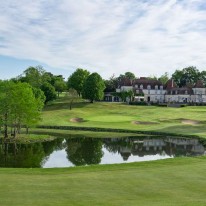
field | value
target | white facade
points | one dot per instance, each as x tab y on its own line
158	93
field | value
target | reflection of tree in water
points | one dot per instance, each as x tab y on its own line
119	145
27	155
84	151
51	146
21	155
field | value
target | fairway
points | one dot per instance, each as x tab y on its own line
189	120
178	181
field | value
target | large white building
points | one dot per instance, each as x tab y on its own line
150	90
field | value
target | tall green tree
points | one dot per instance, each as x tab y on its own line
73	96
60	86
49	92
35	76
188	75
94	87
111	84
77	79
18	106
129	75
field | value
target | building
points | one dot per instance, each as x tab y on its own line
150	90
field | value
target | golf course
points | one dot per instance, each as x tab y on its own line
188	120
178	181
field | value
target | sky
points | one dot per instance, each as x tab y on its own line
146	37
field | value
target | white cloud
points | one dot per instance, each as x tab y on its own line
106	36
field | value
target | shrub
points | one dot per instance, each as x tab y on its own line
138	103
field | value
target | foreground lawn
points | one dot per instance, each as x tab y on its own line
178	181
119	115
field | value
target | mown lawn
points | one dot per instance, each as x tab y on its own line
176	182
119	115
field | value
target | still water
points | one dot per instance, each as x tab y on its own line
86	151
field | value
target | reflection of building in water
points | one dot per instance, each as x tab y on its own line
194	144
167	146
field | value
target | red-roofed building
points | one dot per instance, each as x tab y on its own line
150	90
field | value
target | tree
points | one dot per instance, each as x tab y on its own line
164	78
203	77
40	97
33	76
77	79
111	84
18	106
49	92
94	87
188	75
124	95
5	105
73	95
60	86
129	75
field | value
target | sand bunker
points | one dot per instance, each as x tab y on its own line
189	121
144	123
77	119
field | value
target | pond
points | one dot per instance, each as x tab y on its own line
79	151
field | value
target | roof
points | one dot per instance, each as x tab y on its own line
170	84
182	90
199	84
146	81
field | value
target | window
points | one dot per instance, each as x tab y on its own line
156	87
161	87
141	86
148	87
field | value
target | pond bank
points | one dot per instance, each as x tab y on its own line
98	129
178	182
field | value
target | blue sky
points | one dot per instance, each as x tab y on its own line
108	37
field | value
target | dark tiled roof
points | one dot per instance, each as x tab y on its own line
199	84
182	90
125	82
145	82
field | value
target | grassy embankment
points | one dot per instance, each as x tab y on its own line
179	181
185	121
176	182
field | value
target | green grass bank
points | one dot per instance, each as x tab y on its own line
189	120
176	182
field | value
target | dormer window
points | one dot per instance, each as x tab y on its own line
156	87
161	87
148	87
141	86
186	92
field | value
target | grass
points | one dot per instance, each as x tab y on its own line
179	181
78	133
119	115
176	182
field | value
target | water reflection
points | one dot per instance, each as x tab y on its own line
86	151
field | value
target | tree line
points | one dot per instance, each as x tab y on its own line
23	98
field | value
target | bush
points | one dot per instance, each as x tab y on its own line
138	103
162	105
183	105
